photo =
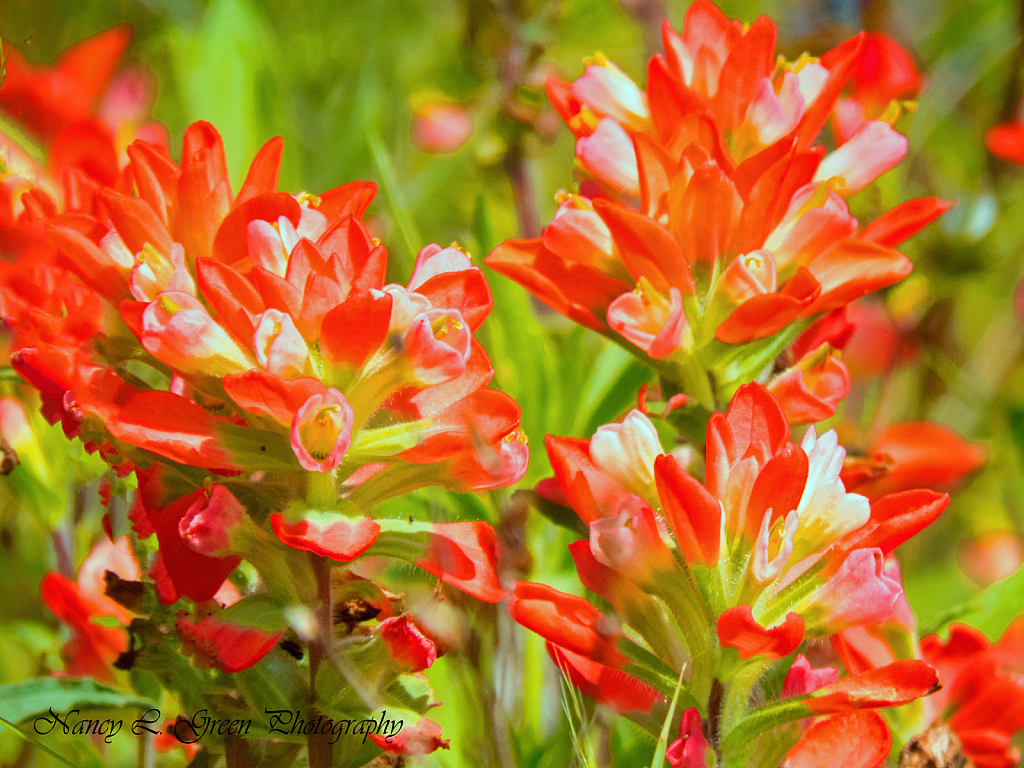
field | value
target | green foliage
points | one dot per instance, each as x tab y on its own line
992	610
20	701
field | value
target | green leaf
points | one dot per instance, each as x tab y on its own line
19	701
991	611
399	208
275	754
761	720
612	387
216	70
659	753
335	697
412	692
258	611
564	517
276	683
36	742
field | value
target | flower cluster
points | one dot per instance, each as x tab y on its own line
711	236
246	357
245	370
721	579
710	228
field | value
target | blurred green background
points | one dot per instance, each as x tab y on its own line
340	81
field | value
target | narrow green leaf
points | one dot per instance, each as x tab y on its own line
36	742
762	720
659	753
19	701
274	684
399	209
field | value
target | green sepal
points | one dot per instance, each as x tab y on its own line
737	364
767	717
384	442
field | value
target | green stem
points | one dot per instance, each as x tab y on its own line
682	595
696	383
285	571
321	751
373	386
740	688
321	492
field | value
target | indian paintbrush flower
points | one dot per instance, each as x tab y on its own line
708	220
769	550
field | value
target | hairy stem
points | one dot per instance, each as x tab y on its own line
321	751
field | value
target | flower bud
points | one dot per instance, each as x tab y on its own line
433	260
631	544
437	346
803	678
644	318
322	431
208	523
177	330
154	273
279	347
439	127
690	750
608	155
858	593
627	452
608	91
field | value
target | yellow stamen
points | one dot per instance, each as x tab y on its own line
321	434
803	60
649	295
168	306
892	112
443	325
148	253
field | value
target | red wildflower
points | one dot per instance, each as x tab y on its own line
690	749
718	156
913	454
1007	141
228	646
856	739
93	648
982	698
604	684
338	538
422	738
